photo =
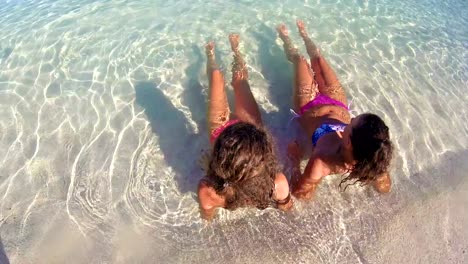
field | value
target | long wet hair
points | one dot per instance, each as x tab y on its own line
242	166
372	149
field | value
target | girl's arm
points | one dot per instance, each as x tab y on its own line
282	194
309	180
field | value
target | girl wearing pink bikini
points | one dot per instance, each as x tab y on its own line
359	146
242	168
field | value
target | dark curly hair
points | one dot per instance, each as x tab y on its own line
242	166
372	149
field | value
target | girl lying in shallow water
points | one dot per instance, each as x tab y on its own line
340	144
242	168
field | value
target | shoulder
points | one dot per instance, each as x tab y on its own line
208	197
317	167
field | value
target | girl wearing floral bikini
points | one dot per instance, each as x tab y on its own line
359	146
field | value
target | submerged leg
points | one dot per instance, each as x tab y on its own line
311	48
290	50
304	88
328	83
246	108
218	106
332	87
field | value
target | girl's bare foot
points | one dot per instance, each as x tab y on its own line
239	69
210	55
282	32
312	49
234	40
301	28
209	49
291	52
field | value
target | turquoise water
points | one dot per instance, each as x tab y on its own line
102	125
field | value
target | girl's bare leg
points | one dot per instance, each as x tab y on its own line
289	49
311	48
305	88
328	83
218	106
246	108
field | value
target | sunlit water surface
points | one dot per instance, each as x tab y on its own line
102	125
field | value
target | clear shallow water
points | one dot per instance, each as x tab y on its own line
102	124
